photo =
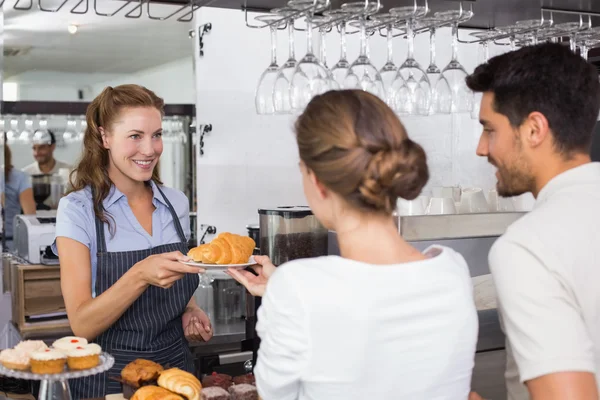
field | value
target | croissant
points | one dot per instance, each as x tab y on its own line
154	393
226	248
181	382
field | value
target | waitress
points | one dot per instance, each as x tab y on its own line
120	236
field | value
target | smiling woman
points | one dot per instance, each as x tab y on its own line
120	235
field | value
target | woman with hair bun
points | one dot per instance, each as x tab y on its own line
120	235
383	320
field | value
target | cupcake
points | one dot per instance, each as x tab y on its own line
14	359
84	357
29	346
68	343
48	362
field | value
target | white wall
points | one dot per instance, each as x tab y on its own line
173	81
250	161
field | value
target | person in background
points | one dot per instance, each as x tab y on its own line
383	320
17	195
538	112
44	144
120	235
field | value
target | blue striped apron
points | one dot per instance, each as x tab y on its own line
151	328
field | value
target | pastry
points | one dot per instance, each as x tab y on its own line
84	357
221	380
180	382
243	392
68	342
140	371
226	248
14	359
48	362
248	378
154	393
29	346
215	393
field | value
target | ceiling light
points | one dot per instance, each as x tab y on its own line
72	29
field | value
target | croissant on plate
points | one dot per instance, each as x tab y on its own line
155	393
180	382
226	248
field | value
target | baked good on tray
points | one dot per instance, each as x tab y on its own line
248	378
215	393
48	362
226	248
84	357
243	391
14	359
68	343
220	380
140	372
29	346
180	382
152	392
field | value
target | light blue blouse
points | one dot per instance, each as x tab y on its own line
75	219
17	183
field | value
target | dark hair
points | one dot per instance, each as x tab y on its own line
548	78
7	161
52	137
358	148
92	169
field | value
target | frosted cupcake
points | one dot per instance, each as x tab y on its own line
48	362
84	357
29	346
14	359
69	342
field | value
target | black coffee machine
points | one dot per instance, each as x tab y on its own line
284	234
42	188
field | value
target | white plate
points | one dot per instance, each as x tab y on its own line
221	266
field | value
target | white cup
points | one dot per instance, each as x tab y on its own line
441	205
473	201
411	207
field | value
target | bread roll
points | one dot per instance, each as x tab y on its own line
180	382
154	393
226	248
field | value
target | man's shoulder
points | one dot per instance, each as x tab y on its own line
31	168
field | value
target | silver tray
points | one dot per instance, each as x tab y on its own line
106	362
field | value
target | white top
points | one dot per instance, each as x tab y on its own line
546	268
337	329
34	168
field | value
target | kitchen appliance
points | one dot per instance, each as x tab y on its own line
42	189
33	237
291	232
254	233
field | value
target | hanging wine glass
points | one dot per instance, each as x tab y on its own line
281	92
363	74
389	71
415	98
341	68
263	99
483	57
455	73
321	23
310	78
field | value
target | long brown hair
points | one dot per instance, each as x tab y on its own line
7	161
357	147
92	169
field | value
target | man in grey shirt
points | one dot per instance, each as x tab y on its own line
44	144
539	109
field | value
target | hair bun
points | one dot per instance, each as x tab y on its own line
394	173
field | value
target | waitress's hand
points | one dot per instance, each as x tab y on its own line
256	285
196	325
163	270
475	396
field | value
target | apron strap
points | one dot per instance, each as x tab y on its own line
174	215
100	240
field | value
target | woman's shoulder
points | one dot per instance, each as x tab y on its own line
175	196
81	199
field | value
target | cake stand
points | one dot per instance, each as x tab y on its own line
56	386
